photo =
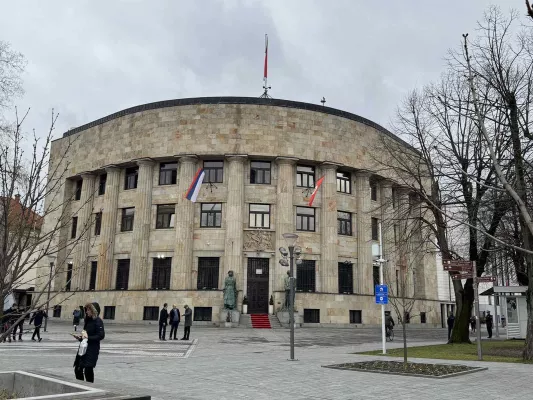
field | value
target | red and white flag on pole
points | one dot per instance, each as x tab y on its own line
318	183
265	75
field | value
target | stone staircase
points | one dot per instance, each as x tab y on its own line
260	321
274	322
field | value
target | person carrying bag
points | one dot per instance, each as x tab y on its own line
89	349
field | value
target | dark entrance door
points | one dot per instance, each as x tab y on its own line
257	289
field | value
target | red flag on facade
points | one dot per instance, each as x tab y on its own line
319	182
266	59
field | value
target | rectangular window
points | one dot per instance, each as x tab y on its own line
214	171
77	195
344	223
57	312
168	173
311	315
356	317
74	227
407	317
123	274
109	312
394	197
373	191
165	216
151	314
101	184
161	273
260	172
398	283
69	277
395	234
203	313
305	176
344	182
208	273
305	219
259	215
128	215
375	276
132	175
375	233
92	280
305	276
422	317
345	277
211	215
97	223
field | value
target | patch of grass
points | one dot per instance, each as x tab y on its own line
5	395
493	350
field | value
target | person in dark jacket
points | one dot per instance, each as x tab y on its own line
174	320
76	316
16	313
6	324
163	318
37	320
473	323
93	331
188	322
451	321
489	323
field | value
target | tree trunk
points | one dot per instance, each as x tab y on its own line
404	332
464	303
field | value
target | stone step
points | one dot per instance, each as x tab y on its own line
274	322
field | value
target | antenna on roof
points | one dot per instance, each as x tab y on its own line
265	94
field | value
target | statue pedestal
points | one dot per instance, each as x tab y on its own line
284	317
235	317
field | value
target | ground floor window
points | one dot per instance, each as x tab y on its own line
151	314
356	317
422	317
109	312
57	312
311	315
203	313
161	273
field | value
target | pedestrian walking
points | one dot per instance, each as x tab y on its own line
5	324
489	324
93	331
163	318
37	320
451	321
473	324
188	322
76	315
16	314
174	319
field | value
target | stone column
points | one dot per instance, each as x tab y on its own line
182	262
285	222
364	282
80	274
234	218
107	231
388	221
403	243
60	270
328	231
141	227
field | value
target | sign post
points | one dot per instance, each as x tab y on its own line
382	291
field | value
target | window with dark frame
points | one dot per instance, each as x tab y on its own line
69	277
407	317
356	317
57	312
214	171
344	223
208	268
97	223
123	274
74	227
128	216
345	277
375	233
375	276
373	191
259	216
168	173
211	215
305	176
344	182
101	184
92	279
79	184
422	317
306	276
260	172
398	283
203	313
311	315
161	273
132	176
165	216
394	197
151	314
109	312
305	219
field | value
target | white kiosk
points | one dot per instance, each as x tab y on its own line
514	302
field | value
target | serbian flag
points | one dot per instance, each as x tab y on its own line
196	184
318	183
265	75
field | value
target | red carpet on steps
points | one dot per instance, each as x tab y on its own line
260	321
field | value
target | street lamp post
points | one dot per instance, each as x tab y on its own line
48	296
290	239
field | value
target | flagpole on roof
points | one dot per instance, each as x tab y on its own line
265	94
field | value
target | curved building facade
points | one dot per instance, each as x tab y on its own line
148	245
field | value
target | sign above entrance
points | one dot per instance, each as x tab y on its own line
259	272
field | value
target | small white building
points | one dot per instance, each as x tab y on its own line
514	301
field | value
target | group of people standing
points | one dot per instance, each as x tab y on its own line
174	318
489	323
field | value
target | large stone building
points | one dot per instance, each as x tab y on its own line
149	245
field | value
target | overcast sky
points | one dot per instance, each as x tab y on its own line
88	59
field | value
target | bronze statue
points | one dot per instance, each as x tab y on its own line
230	292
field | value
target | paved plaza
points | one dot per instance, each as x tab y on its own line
243	363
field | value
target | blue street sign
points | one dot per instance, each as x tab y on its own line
382	290
382	299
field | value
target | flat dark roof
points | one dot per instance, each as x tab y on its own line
236	100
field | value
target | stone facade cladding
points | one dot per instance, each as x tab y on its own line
237	131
